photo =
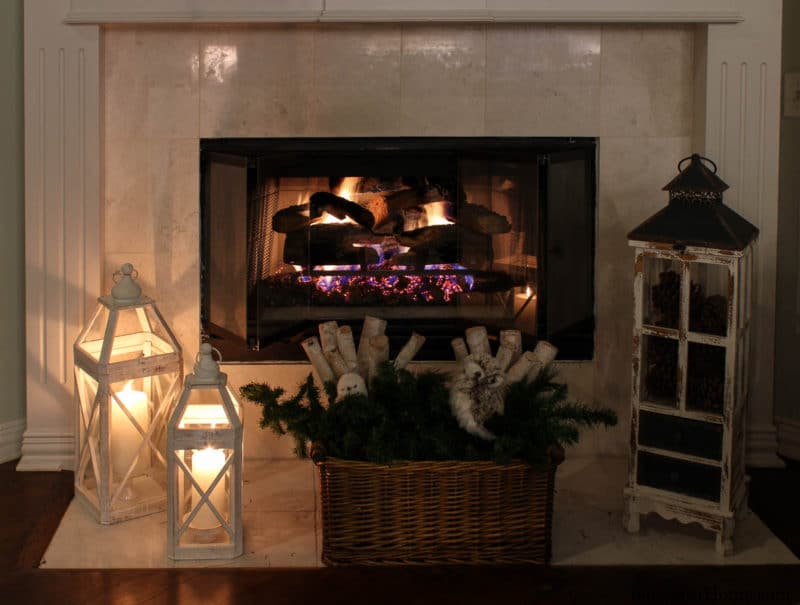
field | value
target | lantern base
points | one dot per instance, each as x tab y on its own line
212	535
150	498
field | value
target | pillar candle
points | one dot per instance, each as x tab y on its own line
206	465
125	439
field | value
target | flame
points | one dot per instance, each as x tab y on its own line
436	213
328	219
348	187
127	388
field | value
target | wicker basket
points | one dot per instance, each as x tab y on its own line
435	512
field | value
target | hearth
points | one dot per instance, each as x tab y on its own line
445	233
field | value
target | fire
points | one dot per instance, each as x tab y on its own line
348	187
436	213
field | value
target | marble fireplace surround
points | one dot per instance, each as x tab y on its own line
117	98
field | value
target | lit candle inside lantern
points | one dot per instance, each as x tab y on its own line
125	439
206	465
525	310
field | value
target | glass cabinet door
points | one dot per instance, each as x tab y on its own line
661	295
709	298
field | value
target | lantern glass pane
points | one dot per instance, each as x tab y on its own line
163	341
659	371
705	378
132	402
661	295
708	302
132	336
204	409
92	341
205	465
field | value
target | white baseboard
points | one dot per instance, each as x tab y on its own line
788	438
762	447
43	451
11	439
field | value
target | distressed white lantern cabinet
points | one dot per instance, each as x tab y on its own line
204	462
691	341
127	376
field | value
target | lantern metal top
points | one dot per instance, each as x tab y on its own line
126	291
696	214
206	368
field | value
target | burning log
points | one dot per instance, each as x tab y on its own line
408	198
324	245
441	244
314	353
510	348
482	220
341	208
409	351
291	219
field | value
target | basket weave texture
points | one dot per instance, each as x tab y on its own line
426	513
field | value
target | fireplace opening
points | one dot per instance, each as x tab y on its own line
433	234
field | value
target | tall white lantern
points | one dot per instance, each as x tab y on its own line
128	368
204	466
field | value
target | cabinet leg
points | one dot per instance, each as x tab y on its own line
630	516
724	543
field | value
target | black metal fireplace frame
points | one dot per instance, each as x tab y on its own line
291	153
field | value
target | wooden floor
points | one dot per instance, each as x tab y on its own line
31	505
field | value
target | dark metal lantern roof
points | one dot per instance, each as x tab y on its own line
696	215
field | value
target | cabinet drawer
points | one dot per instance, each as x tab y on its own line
679	476
683	435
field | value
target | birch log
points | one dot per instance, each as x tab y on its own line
378	353
521	368
347	347
545	353
510	348
327	336
459	348
373	326
337	362
478	341
409	351
314	353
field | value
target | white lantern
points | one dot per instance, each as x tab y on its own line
128	368
204	466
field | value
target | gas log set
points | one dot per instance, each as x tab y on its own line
385	241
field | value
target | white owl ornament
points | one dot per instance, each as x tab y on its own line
350	384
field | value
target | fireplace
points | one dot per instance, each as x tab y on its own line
438	234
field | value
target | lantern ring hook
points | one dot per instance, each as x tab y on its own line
118	275
698	157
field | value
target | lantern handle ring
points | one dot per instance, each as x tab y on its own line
208	349
118	275
697	156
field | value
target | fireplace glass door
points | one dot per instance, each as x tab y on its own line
433	235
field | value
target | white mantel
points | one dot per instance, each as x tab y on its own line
538	11
736	123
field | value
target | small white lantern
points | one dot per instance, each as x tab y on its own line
204	466
127	375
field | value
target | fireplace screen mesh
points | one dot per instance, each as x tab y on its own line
434	235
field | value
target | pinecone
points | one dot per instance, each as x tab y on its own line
661	378
705	389
666	299
711	317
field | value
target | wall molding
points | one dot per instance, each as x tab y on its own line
484	11
788	437
762	445
11	439
47	451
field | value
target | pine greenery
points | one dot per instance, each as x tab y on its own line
407	416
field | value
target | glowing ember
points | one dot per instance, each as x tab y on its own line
412	288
